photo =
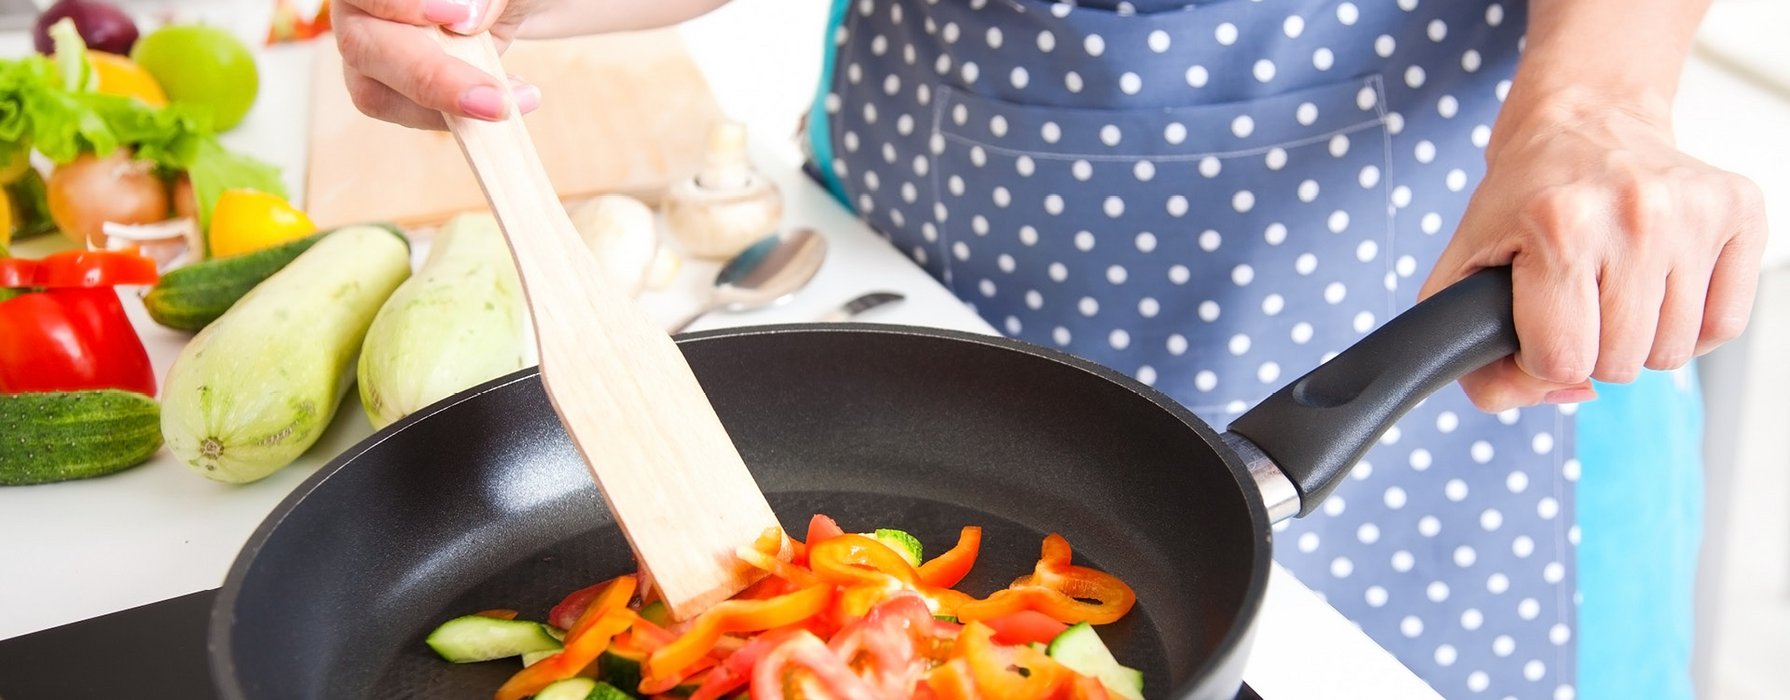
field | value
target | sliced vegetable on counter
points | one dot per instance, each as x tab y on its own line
64	328
257	387
60	436
457	323
190	297
245	221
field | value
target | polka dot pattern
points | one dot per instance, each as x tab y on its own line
1216	201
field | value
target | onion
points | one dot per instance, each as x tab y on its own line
91	191
103	26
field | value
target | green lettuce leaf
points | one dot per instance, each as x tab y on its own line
48	105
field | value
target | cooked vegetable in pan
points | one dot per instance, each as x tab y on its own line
858	616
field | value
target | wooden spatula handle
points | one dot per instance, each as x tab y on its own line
510	172
630	403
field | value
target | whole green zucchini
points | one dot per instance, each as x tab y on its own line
457	323
190	297
63	435
257	387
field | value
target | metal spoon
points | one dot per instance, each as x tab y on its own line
769	272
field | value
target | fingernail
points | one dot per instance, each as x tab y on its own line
475	10
1573	395
483	101
447	11
528	97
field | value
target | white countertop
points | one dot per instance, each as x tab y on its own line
76	550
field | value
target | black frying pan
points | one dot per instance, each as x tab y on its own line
481	502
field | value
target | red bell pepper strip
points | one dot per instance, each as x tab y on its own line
1087	688
566	613
1025	627
94	268
499	613
1058	589
1008	673
952	681
606	617
946	570
71	340
579	652
650	686
679	657
868	571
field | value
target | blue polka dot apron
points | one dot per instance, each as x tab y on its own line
1216	197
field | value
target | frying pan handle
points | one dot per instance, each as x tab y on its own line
1315	429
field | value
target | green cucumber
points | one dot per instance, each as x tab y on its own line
906	545
477	638
530	658
568	689
60	436
656	613
605	691
191	297
256	388
457	323
1079	648
619	669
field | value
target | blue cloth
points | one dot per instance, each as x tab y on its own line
1640	515
1213	197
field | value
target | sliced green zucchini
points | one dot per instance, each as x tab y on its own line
476	638
656	613
530	658
906	545
1080	649
619	669
568	689
605	691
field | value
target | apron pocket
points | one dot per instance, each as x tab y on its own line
1215	251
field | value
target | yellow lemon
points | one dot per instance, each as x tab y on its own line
244	221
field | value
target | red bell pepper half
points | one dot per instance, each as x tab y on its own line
71	339
78	268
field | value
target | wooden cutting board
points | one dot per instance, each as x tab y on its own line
624	113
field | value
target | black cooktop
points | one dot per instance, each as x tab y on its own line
153	651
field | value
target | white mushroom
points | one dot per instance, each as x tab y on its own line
623	234
726	206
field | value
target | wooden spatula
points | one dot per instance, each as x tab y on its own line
661	458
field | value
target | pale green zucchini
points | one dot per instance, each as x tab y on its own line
258	386
457	323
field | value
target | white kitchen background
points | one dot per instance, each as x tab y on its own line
1734	112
